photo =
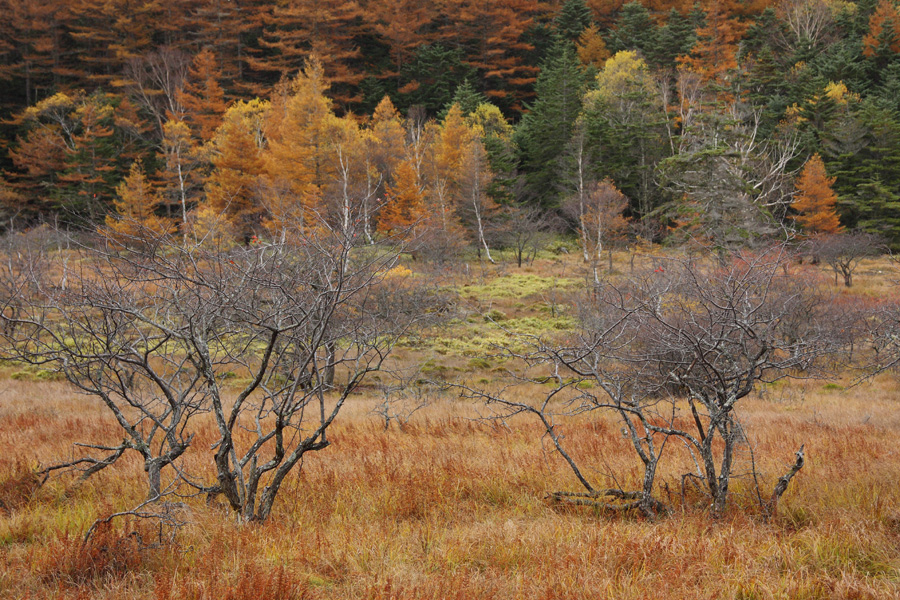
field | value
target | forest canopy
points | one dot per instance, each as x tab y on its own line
449	116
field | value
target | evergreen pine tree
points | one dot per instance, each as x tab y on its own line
574	17
545	130
430	80
635	30
466	97
674	39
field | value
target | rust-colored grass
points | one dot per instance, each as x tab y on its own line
455	508
452	507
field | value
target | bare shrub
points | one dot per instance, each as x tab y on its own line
154	330
670	353
402	395
111	553
844	251
527	230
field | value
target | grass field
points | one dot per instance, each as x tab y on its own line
449	506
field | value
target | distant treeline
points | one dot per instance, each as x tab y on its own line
721	121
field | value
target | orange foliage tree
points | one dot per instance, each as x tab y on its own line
109	33
233	187
224	26
815	200
884	29
402	24
452	141
383	147
600	220
297	131
202	96
327	29
135	204
591	48
404	202
387	138
715	53
31	38
492	32
73	150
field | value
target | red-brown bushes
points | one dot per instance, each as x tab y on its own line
18	486
109	553
253	583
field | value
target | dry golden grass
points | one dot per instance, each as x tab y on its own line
451	507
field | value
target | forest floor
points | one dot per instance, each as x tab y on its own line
439	503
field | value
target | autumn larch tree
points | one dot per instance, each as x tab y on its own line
591	47
451	145
402	25
715	53
225	28
233	187
815	200
73	151
33	36
109	33
494	35
297	159
388	135
404	206
202	97
135	203
883	38
328	30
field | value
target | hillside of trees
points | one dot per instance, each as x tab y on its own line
468	121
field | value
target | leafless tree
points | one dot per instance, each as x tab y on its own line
526	229
155	81
404	393
155	330
731	183
671	353
844	251
88	316
810	22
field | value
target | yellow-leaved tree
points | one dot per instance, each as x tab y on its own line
135	204
384	146
233	189
183	159
460	177
297	164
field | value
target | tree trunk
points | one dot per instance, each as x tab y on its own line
328	376
154	478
